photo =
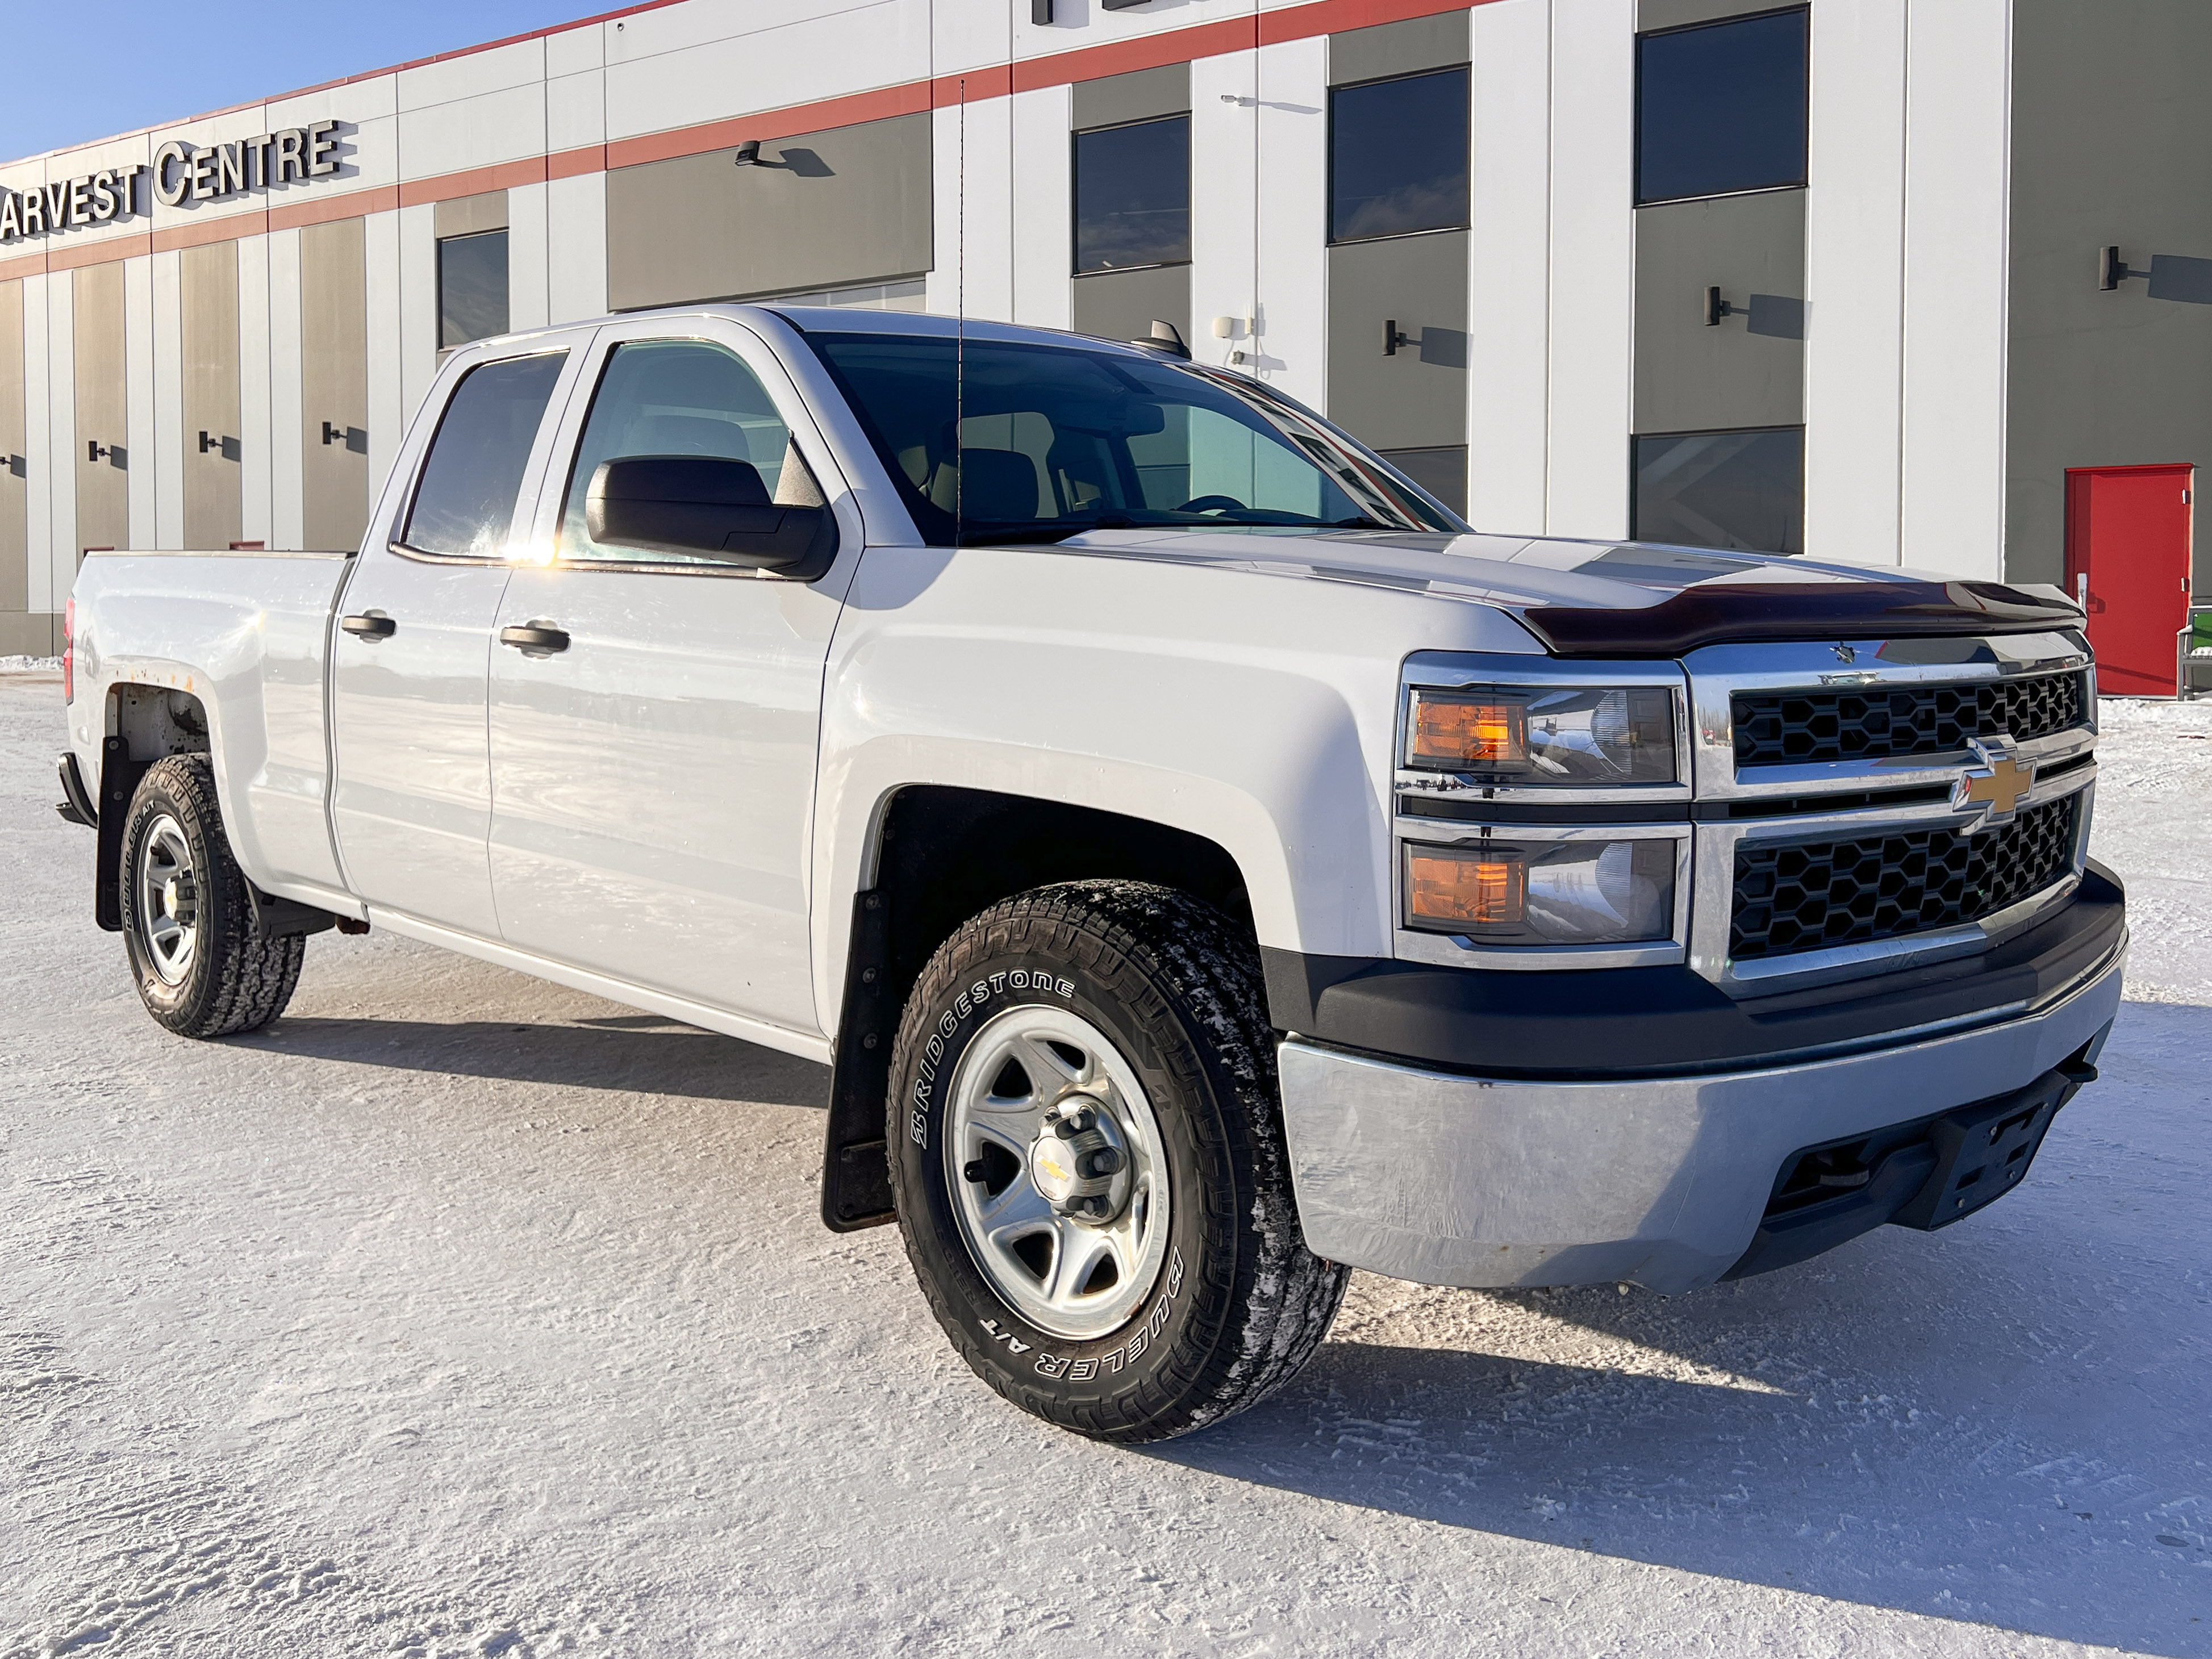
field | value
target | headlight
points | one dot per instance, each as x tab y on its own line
1577	737
1578	892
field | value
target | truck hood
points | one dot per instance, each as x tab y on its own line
1637	598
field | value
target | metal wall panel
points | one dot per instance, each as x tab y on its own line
1122	305
1404	48
466	216
103	449
213	446
847	206
1591	267
1855	283
1748	370
334	384
15	484
1138	96
1416	397
2112	145
1676	14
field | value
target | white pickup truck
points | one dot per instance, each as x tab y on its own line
1207	866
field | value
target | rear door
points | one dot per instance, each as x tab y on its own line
411	800
655	718
2128	532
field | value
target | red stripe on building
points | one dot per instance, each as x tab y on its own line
476	181
324	209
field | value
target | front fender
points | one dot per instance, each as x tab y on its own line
1257	711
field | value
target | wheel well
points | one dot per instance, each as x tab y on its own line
143	723
943	855
153	720
946	853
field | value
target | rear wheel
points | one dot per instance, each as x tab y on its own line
1088	1163
203	969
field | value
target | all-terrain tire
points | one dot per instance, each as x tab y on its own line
1239	1304
232	979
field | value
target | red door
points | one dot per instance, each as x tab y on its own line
2127	561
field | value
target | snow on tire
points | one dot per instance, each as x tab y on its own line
1088	1160
203	969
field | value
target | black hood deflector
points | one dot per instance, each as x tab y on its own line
1723	613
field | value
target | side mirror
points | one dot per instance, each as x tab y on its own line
706	506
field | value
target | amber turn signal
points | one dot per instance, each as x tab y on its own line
1466	889
1456	734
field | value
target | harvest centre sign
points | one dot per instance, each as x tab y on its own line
181	172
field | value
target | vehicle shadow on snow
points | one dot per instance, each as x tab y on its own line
1993	1424
643	1052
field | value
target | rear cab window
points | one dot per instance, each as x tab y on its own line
464	498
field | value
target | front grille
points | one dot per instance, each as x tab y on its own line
1878	723
1811	896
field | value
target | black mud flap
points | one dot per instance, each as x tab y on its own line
1926	1174
856	1175
118	782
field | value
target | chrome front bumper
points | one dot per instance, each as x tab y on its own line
1454	1180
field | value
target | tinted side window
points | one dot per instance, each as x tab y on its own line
678	397
1721	108
1133	196
471	288
465	501
1397	156
1738	490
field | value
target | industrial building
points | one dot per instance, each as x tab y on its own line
1925	281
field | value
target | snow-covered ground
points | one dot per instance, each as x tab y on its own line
458	1313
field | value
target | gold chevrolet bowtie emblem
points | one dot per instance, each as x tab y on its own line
1998	786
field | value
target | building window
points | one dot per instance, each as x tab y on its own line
1397	156
471	288
1133	196
1735	489
1721	107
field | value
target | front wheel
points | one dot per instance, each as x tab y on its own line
1088	1163
203	969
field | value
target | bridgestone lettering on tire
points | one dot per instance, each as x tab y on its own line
201	970
1128	1020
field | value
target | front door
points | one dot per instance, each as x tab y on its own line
411	803
2127	562
653	718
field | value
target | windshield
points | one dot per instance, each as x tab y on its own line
1043	441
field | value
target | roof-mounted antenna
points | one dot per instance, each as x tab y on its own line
1166	338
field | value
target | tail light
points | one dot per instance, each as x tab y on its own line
68	652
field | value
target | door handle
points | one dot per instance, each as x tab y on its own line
369	626
537	636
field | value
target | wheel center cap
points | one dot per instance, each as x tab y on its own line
1076	1160
180	898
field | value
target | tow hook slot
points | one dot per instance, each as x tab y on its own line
1924	1175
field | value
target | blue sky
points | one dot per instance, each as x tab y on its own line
82	71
